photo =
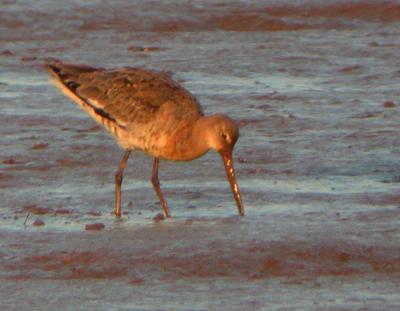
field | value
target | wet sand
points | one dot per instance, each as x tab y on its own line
315	89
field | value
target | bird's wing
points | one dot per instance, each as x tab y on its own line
124	96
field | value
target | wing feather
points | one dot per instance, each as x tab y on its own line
126	96
133	95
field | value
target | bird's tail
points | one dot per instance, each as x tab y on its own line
66	77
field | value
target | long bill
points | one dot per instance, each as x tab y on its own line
230	174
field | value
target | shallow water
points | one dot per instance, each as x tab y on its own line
315	92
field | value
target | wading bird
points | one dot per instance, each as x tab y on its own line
148	111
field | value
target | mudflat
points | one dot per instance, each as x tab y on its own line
315	90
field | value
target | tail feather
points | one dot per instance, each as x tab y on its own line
68	74
66	78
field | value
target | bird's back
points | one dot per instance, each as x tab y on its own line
127	100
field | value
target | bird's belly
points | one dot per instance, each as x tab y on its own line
147	139
168	139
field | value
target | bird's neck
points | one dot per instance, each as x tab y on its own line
193	141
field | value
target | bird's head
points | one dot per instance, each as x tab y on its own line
222	135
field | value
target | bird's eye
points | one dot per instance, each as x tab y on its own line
224	136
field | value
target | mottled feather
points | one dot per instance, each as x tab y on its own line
128	95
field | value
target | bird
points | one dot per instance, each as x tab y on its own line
147	110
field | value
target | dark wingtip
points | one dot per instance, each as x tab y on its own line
59	68
51	61
52	66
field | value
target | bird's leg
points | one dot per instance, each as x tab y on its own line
156	186
118	181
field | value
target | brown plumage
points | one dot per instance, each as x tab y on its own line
148	111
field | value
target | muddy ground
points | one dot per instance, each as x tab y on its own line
315	89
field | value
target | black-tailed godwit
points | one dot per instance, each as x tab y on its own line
148	111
